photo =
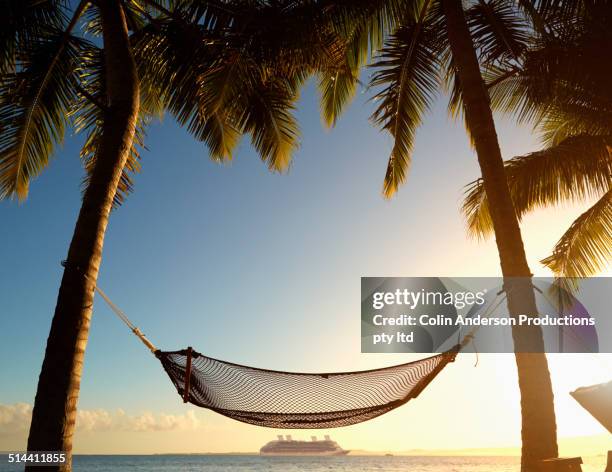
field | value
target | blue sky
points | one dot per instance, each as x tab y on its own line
242	264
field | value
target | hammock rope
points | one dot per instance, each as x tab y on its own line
123	317
279	399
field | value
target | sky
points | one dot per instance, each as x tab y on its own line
264	269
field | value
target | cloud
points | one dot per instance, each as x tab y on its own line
119	420
15	418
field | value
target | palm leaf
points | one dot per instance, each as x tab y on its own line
267	116
407	69
563	75
564	120
368	22
508	94
219	90
22	23
243	77
314	46
535	16
576	169
499	32
361	27
559	13
188	65
35	101
528	90
337	87
586	247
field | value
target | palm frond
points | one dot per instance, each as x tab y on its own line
536	19
313	47
520	91
267	116
337	88
22	23
338	81
586	247
34	104
407	69
92	21
499	32
564	120
528	91
562	74
241	78
576	169
559	13
189	66
211	14
369	20
219	90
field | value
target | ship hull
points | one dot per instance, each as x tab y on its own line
311	454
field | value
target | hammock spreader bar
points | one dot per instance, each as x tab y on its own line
187	377
293	400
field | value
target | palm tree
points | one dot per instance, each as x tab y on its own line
564	87
40	76
218	68
433	41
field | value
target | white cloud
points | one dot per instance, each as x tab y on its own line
119	420
15	418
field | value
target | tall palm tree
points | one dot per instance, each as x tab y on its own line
563	85
220	69
433	41
40	80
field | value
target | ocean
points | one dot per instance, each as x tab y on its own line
254	463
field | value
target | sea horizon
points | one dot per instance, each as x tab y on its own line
583	446
258	463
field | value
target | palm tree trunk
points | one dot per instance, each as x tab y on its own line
54	414
539	436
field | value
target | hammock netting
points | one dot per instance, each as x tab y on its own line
291	400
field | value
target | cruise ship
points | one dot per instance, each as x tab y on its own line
286	446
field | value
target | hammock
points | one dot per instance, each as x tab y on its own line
295	400
292	400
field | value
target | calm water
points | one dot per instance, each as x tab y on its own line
297	464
